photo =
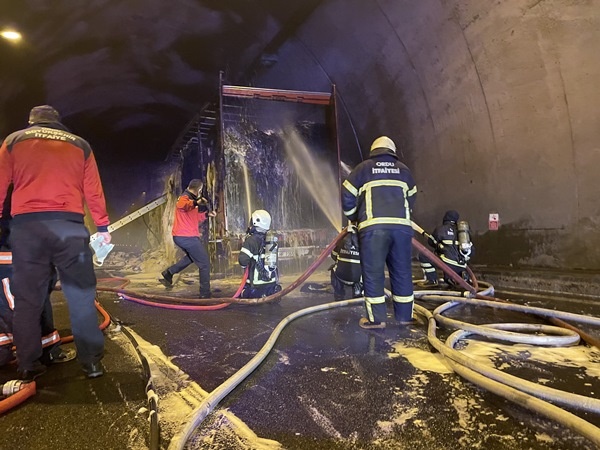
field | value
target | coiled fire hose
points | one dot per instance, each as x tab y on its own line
525	393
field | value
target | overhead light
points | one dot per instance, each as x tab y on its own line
11	35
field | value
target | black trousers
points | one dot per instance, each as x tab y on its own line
194	253
37	247
260	291
343	290
431	273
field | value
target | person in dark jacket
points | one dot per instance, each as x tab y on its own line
346	272
445	242
379	195
54	173
191	210
258	255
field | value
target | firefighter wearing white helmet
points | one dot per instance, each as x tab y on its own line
378	196
261	220
259	255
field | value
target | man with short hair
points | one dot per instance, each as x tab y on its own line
53	172
190	211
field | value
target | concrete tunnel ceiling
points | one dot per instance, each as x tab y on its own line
129	75
493	103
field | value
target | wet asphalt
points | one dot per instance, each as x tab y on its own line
326	385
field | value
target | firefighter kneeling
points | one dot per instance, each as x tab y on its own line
52	352
451	241
346	271
259	254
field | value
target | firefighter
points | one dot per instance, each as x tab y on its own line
259	255
379	195
346	271
51	350
451	241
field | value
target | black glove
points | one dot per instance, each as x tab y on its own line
202	204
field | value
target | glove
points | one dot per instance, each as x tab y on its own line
351	228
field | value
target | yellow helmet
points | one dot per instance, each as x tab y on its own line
383	142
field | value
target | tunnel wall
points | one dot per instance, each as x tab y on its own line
493	105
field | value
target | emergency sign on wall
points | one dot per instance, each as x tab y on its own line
493	221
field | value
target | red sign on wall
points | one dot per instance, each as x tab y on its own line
493	221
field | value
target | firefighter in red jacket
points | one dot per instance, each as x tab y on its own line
53	172
190	211
379	195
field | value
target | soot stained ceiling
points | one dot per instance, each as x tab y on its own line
128	75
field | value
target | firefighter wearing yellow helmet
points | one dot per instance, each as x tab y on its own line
378	196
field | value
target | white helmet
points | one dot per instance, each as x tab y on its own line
383	142
261	219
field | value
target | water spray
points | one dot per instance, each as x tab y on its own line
316	178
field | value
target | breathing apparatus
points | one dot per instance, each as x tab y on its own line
464	238
271	256
266	265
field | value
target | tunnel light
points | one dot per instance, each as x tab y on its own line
11	35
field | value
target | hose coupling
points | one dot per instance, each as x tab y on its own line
11	387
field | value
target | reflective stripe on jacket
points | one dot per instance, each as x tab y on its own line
380	192
445	242
346	255
252	254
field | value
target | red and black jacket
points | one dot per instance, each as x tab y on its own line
187	216
53	171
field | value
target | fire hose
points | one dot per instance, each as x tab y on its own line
195	304
15	392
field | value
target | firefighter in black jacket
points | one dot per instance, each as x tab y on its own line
260	256
379	195
346	271
451	241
